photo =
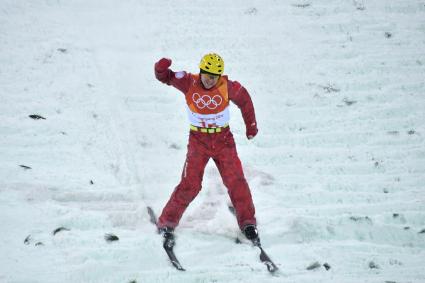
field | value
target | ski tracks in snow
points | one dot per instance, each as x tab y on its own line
114	188
113	149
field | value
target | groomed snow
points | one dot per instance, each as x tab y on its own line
337	170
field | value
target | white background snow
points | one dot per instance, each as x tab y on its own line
337	170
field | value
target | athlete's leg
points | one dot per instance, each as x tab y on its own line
189	186
230	169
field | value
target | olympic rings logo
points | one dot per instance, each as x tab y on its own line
207	101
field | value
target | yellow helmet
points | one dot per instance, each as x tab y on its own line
212	63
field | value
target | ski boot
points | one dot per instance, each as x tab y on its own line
251	233
168	234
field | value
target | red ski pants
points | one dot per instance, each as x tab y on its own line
222	149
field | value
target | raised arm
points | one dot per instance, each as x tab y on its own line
179	80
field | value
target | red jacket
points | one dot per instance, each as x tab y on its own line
237	94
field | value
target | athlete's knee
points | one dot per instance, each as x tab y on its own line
186	191
235	182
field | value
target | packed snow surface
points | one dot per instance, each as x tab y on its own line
337	171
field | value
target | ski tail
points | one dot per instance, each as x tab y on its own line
152	216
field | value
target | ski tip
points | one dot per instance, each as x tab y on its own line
272	268
178	266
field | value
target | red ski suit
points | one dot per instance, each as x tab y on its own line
220	146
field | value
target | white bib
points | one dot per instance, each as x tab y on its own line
216	120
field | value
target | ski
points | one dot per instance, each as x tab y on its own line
169	243
264	258
271	267
168	246
152	215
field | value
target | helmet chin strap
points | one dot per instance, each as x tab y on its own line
203	86
200	78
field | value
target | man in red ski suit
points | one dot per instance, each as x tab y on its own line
207	97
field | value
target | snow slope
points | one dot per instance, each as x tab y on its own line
337	171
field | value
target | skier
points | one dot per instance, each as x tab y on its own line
207	97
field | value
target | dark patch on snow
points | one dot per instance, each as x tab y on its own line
395	215
349	102
91	182
175	146
111	238
57	230
388	34
144	144
251	11
238	241
373	265
64	133
390	282
377	162
90	85
63	50
411	132
330	88
266	179
303	5
313	266
25	167
361	219
359	6
422	231
393	133
395	262
27	240
406	228
385	190
132	281
327	266
36	117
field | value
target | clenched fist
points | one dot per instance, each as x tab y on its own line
161	69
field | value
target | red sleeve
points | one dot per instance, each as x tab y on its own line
180	80
240	96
